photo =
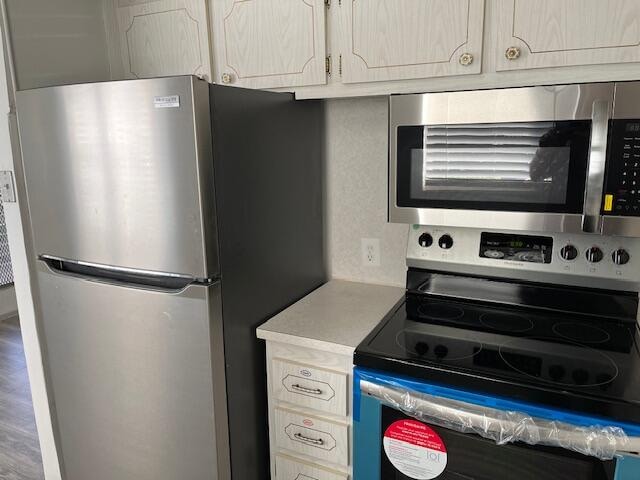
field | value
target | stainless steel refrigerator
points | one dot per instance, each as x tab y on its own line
170	218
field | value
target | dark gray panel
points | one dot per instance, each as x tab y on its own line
268	159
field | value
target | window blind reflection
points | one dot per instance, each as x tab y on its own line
506	152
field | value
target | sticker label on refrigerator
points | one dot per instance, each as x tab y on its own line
415	449
168	101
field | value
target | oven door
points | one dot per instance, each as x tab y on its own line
459	456
454	440
520	159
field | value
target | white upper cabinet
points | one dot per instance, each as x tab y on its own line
406	39
269	44
163	37
552	33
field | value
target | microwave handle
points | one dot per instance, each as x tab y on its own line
591	218
503	426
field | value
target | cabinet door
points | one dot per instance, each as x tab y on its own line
163	37
269	43
405	39
552	33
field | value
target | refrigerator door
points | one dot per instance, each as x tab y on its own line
137	377
121	174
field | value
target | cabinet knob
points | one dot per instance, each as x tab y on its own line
512	53
466	59
226	77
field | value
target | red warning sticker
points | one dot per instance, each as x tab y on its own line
415	449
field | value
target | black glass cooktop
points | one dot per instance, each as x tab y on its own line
578	362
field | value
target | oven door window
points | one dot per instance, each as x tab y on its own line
524	167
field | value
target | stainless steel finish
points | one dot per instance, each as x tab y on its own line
149	412
527	104
597	161
7	189
103	183
626	106
310	391
621	226
512	53
531	104
464	258
539	222
627	100
313	441
466	59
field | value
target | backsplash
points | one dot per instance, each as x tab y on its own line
356	149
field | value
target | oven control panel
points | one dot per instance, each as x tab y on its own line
534	256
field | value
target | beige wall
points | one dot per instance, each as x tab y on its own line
57	42
356	148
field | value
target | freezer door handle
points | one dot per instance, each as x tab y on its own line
162	281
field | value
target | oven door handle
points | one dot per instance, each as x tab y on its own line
502	426
591	217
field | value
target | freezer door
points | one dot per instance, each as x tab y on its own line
137	377
121	174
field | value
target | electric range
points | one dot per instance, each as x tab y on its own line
515	319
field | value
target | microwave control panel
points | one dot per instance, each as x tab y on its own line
622	181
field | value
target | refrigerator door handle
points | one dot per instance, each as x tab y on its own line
170	282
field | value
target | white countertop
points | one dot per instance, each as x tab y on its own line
335	317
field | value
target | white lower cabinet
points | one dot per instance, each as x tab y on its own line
310	386
313	436
288	468
309	416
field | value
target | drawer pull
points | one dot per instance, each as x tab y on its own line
301	389
313	441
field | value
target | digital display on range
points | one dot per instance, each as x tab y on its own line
516	248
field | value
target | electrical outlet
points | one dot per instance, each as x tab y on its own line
370	252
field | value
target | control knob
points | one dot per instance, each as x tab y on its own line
422	348
445	242
569	252
594	255
441	351
425	240
620	257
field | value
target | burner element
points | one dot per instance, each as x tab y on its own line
581	332
588	368
434	348
506	322
440	311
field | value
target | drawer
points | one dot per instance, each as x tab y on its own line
310	386
316	437
288	468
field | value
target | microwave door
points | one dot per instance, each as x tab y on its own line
516	159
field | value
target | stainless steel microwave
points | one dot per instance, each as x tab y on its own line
563	158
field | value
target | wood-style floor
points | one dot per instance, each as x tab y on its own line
19	449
